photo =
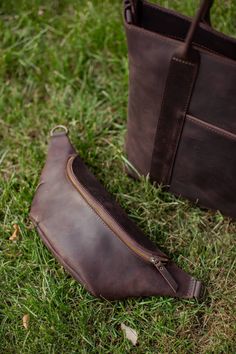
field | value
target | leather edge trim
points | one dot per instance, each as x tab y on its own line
213	128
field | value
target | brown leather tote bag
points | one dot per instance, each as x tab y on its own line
182	104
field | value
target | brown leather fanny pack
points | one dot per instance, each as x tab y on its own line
93	238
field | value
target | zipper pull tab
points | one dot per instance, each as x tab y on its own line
165	273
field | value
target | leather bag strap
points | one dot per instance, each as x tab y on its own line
183	69
177	95
207	17
200	15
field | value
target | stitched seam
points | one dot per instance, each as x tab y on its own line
212	129
183	61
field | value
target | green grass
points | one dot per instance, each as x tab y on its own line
65	62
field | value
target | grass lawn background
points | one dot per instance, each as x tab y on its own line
65	62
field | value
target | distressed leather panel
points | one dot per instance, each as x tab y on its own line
214	96
149	60
205	167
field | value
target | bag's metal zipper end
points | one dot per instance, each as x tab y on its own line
160	266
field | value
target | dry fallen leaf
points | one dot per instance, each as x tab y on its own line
26	321
15	235
41	12
130	333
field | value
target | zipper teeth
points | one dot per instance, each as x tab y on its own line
146	255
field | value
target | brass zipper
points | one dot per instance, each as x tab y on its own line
159	261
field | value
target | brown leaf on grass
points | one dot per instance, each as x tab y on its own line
130	333
40	11
15	235
25	320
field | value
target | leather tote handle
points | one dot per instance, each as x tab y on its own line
202	12
207	17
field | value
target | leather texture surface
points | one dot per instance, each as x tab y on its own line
152	44
85	244
172	117
216	186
